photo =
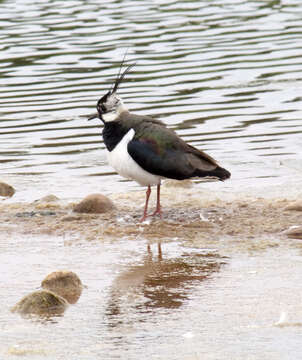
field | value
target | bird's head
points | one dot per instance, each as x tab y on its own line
110	106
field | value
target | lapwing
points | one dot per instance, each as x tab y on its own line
143	149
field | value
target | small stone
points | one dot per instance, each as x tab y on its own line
47	213
26	214
295	232
296	206
6	190
72	218
42	303
94	203
64	283
48	199
29	214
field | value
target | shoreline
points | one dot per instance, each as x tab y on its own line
194	217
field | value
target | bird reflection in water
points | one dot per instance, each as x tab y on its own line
159	283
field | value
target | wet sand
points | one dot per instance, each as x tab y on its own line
190	216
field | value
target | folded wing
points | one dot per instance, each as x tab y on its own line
160	151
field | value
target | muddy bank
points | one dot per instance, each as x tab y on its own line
189	215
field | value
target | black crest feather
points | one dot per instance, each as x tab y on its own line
120	78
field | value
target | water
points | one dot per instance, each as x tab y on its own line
226	75
190	304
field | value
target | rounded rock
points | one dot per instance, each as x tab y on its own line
6	190
65	283
48	199
94	204
42	303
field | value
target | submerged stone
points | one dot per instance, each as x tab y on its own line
48	199
65	283
94	203
29	214
42	303
26	214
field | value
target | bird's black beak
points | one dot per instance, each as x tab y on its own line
93	116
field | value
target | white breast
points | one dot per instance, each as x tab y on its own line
123	163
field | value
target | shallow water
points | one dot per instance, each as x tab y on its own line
191	304
226	75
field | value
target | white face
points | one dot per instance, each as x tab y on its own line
111	108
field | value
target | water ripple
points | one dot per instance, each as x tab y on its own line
222	74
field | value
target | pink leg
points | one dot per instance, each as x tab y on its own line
158	209
148	192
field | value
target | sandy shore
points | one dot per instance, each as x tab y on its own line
191	216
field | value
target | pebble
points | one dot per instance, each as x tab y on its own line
29	214
48	199
294	232
6	190
296	206
64	283
42	303
94	203
72	218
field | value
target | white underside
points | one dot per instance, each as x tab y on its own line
123	163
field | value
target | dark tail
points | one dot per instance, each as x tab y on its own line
222	173
219	172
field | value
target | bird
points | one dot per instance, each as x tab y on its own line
144	149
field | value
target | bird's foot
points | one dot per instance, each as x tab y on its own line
144	217
157	212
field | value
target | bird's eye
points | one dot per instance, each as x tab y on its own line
102	108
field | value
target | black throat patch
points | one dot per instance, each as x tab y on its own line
113	132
